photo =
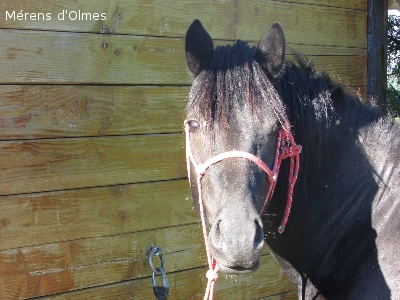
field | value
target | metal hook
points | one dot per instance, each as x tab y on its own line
156	251
165	282
161	292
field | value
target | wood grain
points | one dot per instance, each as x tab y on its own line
284	296
59	57
60	267
92	166
350	4
60	164
48	111
185	284
67	58
327	22
43	218
347	70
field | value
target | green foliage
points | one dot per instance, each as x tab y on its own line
393	100
393	67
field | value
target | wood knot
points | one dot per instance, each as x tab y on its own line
4	222
118	51
122	215
105	45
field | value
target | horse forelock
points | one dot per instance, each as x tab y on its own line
305	101
234	77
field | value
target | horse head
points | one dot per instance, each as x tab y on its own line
232	120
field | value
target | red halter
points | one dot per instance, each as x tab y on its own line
285	147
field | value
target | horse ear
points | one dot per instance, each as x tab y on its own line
199	48
271	50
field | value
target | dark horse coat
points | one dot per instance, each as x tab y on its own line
342	239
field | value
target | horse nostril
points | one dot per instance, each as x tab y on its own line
217	228
217	233
259	236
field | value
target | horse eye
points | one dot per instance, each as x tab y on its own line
194	126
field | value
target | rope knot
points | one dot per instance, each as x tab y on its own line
212	275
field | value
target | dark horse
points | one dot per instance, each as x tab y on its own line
342	238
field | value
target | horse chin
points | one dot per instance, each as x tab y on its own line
239	270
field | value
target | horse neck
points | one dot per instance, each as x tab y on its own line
335	180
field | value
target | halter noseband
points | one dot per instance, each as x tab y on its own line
285	147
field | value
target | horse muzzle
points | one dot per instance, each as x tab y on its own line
239	270
236	241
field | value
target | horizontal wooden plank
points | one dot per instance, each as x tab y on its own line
51	58
44	111
267	280
284	296
43	218
310	50
322	24
59	164
190	284
304	24
125	291
60	267
348	70
54	111
350	4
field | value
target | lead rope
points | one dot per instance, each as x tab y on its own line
212	273
285	147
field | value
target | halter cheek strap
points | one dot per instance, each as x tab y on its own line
285	147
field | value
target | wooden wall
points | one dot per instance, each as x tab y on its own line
92	167
377	52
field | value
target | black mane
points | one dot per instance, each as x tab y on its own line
232	77
315	105
313	101
303	99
